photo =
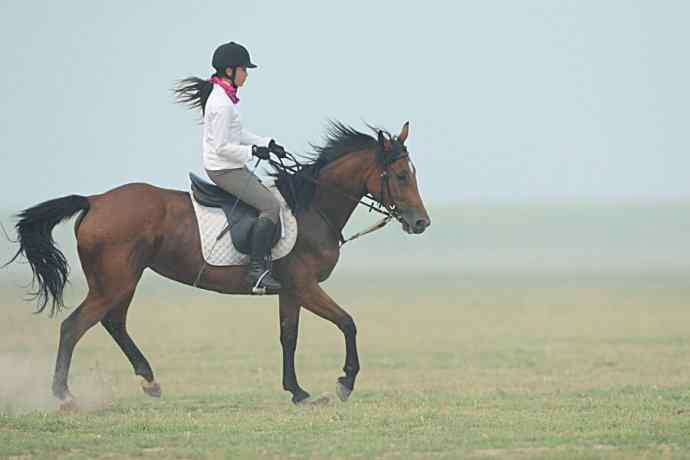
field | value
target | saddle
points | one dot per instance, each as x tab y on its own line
240	216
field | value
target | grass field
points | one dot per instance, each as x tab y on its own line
460	366
505	331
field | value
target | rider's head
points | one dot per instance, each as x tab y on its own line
231	61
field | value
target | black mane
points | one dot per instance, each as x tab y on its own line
340	140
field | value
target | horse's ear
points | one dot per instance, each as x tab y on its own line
384	143
404	132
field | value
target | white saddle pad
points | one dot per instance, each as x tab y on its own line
212	221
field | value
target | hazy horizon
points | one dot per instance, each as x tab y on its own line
494	238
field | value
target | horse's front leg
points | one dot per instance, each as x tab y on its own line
315	299
289	326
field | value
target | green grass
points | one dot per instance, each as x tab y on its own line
457	366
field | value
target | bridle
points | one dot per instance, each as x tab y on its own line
389	204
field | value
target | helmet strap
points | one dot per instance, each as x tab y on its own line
232	76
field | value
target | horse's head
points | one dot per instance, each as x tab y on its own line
395	184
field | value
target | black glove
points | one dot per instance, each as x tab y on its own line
277	149
261	152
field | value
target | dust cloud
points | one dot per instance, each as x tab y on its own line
26	379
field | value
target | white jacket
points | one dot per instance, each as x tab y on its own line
226	144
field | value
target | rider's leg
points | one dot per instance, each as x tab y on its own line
245	185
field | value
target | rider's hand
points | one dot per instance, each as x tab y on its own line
261	152
277	149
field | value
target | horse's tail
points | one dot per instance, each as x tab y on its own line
36	243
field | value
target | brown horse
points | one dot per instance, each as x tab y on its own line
136	226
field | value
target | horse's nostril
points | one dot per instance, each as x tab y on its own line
422	223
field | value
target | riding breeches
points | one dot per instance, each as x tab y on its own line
247	187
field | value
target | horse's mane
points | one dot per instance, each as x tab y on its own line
341	140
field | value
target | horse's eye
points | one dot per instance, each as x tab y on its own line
403	176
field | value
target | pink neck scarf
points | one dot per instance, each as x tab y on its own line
230	90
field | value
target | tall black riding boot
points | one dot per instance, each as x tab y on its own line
259	274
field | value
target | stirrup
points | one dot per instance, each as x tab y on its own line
258	289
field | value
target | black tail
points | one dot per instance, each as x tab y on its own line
48	263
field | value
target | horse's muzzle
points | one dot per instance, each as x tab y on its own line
416	224
421	225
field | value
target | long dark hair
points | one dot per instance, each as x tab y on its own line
193	92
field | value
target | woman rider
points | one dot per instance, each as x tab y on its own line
228	147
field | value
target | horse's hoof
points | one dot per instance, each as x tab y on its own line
300	396
320	401
68	405
152	389
342	391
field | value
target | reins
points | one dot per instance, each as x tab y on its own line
387	209
295	170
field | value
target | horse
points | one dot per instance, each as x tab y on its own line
136	226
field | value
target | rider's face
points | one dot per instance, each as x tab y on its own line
240	76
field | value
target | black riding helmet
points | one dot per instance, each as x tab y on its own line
231	55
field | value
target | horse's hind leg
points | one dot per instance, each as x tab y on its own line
115	323
112	280
91	310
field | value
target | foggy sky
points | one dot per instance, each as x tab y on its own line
507	99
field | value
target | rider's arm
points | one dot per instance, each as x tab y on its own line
249	138
220	139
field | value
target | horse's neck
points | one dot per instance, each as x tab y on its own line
344	185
